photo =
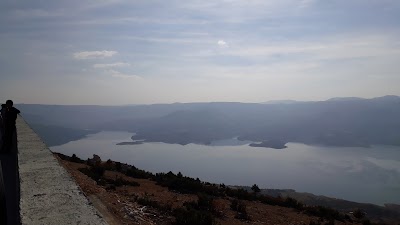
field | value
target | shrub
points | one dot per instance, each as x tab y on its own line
190	185
75	159
292	203
366	222
111	187
191	216
109	165
239	193
240	208
146	201
204	202
255	188
312	222
96	172
324	212
358	214
330	222
178	183
119	181
118	166
137	173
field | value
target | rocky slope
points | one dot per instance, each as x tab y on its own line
127	195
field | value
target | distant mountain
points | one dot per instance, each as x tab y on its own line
346	99
387	98
281	102
187	126
335	122
54	135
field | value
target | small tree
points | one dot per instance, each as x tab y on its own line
75	159
255	188
118	166
358	213
240	208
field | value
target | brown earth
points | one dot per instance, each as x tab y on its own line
120	206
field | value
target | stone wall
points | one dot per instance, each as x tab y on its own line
48	193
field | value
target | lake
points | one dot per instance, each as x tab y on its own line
368	175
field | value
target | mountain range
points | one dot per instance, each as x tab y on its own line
336	122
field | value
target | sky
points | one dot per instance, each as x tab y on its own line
117	52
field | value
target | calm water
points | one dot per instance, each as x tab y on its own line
357	174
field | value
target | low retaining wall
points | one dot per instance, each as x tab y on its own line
48	193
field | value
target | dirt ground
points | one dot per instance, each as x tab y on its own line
119	206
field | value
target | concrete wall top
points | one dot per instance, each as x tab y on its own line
48	193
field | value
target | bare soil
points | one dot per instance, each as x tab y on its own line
119	206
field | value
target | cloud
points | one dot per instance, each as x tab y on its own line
94	54
306	3
118	74
222	43
110	65
142	20
125	76
333	48
177	40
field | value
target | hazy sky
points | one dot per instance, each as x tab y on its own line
148	51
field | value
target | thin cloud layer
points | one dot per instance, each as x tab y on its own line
94	54
118	74
236	50
110	65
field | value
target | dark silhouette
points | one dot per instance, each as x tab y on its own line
3	207
3	211
3	108
9	164
9	116
2	115
255	188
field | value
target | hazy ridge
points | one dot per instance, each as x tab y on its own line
335	122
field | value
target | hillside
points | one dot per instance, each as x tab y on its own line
127	195
343	122
55	135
